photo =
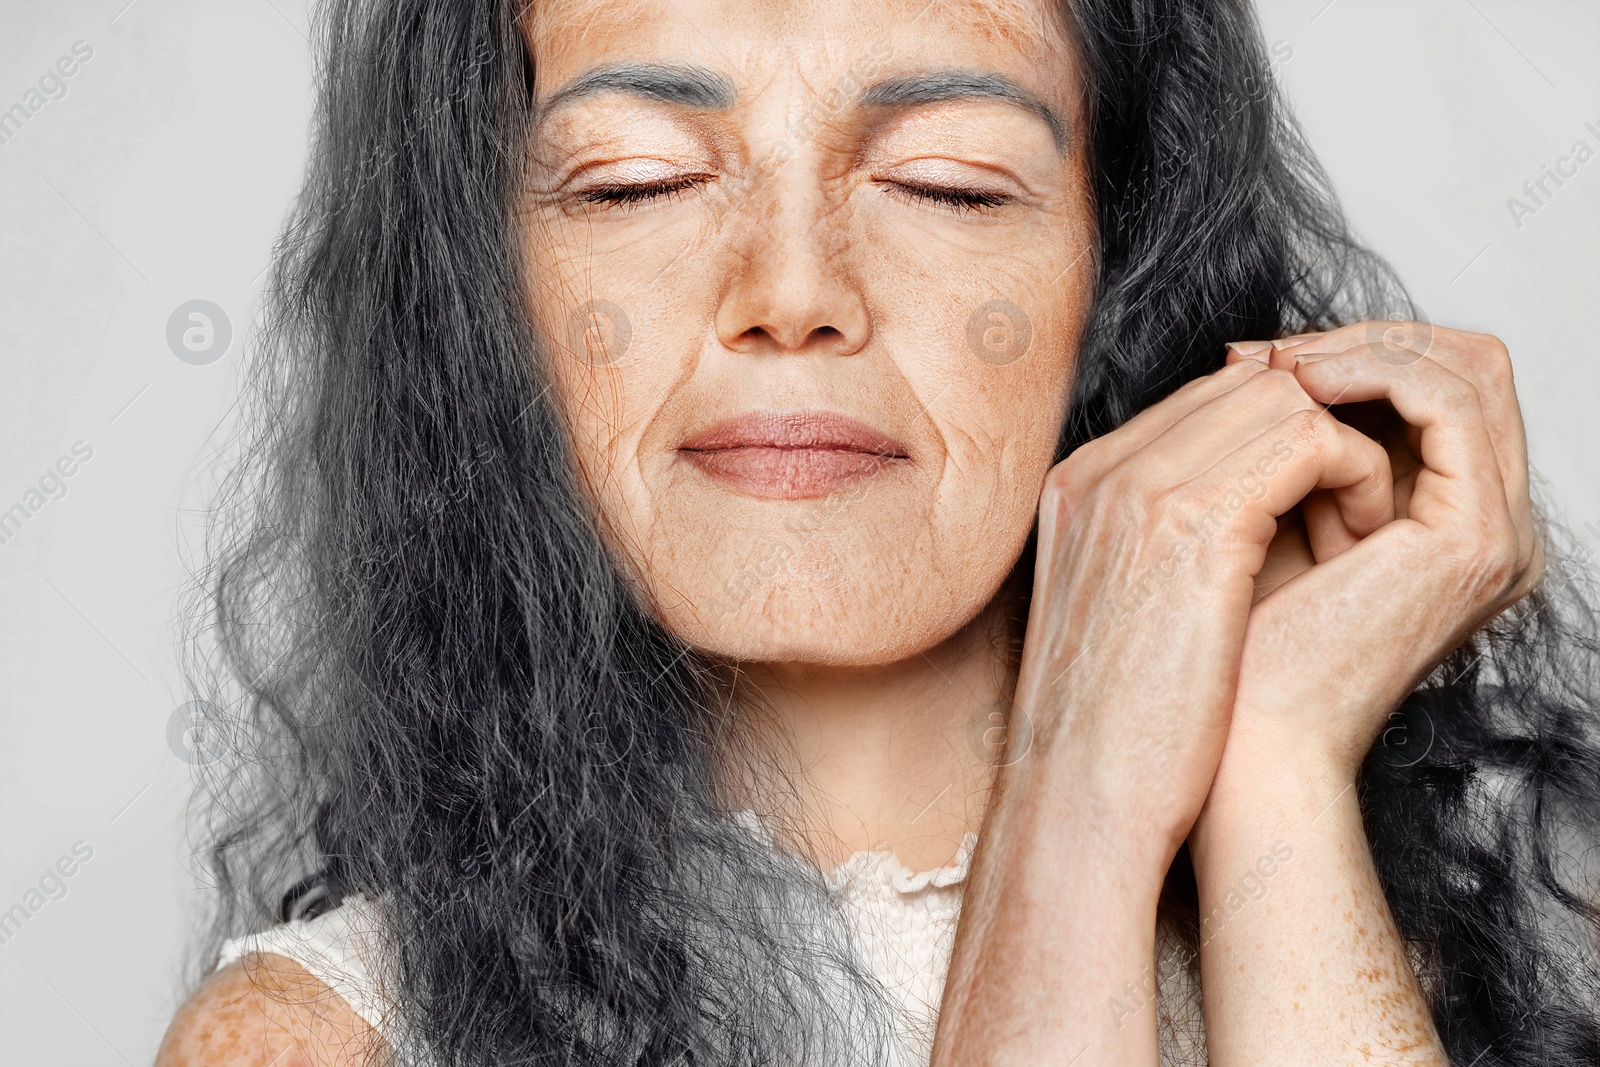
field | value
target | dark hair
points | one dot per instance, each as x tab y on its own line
447	694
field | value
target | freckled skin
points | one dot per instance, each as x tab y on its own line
797	270
813	283
267	1009
818	281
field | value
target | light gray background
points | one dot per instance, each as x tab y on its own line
163	175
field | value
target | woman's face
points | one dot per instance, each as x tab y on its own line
811	278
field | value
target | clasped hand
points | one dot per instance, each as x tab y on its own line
1275	579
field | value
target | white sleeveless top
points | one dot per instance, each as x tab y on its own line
905	920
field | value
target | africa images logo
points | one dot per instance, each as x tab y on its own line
51	886
50	486
52	86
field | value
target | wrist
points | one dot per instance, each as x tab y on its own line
1099	779
1087	804
1286	756
1313	729
1258	797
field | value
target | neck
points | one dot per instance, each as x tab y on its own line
899	756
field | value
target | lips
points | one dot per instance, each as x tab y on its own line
791	455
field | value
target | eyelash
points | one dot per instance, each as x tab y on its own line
956	199
627	195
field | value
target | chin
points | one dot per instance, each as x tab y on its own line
806	616
859	580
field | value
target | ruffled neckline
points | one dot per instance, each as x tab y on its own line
880	865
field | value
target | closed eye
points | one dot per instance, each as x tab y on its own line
955	198
624	194
958	199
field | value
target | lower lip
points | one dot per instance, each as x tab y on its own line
789	473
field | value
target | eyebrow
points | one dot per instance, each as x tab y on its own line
686	86
963	85
704	89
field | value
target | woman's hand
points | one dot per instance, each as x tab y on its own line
1349	626
1150	541
1300	956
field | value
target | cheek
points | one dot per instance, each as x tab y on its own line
617	341
610	377
972	353
609	413
1000	427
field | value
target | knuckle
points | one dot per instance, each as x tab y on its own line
1491	348
1279	385
1091	455
1244	368
1494	363
1183	506
1504	564
1173	512
1064	482
1204	514
1525	559
1304	430
1490	564
1455	391
1482	357
1468	395
1167	502
1071	481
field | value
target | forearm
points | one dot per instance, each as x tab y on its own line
1057	925
1300	957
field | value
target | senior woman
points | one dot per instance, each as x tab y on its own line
847	532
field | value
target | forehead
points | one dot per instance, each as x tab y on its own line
758	42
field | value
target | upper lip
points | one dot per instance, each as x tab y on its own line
827	430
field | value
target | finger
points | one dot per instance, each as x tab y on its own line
1482	360
1479	358
1265	351
1359	489
1123	443
1316	451
1461	471
1416	337
1327	533
1274	353
1297	339
1485	362
1255	483
1237	350
1339	516
1214	429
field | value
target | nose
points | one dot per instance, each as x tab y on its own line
792	290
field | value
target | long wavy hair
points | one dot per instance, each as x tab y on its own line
443	692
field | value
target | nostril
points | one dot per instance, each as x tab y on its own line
763	337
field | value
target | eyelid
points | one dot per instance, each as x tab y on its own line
951	173
611	128
1003	139
634	171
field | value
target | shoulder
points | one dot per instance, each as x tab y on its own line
265	1008
313	990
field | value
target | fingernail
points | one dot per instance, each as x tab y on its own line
1250	348
1283	343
